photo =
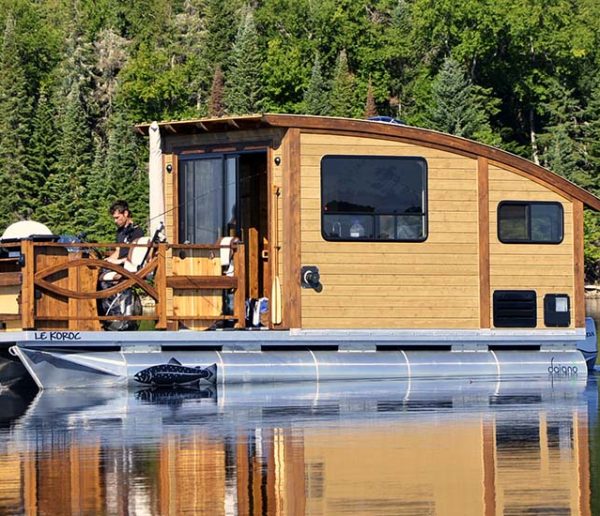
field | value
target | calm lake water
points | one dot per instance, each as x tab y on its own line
423	447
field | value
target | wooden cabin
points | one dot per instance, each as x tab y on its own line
407	228
337	224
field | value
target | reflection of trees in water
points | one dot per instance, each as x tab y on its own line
345	206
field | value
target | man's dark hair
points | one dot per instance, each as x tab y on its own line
119	206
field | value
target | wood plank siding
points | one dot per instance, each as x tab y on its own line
547	269
433	284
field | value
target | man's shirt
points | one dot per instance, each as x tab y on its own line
127	235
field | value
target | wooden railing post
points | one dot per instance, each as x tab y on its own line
161	288
27	287
239	297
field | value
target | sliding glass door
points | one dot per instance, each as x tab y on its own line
207	198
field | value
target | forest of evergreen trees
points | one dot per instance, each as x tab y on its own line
76	75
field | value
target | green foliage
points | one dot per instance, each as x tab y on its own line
125	167
15	113
342	89
153	88
43	148
370	106
561	150
243	85
591	138
215	103
316	96
220	19
65	190
591	249
37	36
456	106
526	77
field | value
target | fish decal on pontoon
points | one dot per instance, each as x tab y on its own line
174	373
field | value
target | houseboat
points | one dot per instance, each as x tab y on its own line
302	248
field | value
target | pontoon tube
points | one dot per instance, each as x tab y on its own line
62	369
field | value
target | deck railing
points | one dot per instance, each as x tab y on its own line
48	285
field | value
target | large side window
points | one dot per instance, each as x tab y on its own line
521	222
374	198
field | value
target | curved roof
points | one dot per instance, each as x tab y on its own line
373	129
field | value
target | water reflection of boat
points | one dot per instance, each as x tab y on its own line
12	371
13	404
176	395
448	447
288	403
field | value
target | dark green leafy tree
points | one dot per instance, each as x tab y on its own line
15	115
456	106
98	195
243	86
39	35
291	30
316	96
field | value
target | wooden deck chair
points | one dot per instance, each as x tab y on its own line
136	259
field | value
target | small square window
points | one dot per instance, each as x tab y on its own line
562	304
530	222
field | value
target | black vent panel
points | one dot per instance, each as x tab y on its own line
515	309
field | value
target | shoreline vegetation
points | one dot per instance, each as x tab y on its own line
76	75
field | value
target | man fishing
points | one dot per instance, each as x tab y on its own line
127	231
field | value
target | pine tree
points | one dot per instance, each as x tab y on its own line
66	188
77	68
15	115
591	249
591	137
111	55
370	106
215	104
591	155
561	150
342	88
316	94
188	51
42	151
243	85
98	195
220	30
126	172
457	106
